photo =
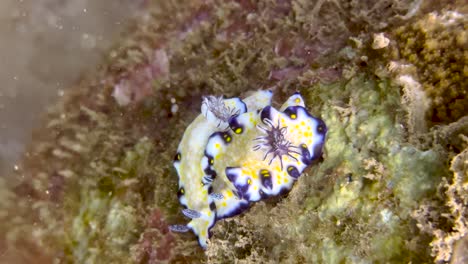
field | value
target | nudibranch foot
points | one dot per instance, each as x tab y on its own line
191	213
179	228
217	196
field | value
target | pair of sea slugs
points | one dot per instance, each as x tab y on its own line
239	151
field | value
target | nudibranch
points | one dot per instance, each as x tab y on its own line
195	192
269	150
241	151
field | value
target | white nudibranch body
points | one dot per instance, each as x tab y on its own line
241	151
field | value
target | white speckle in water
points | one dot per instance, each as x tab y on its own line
88	41
174	108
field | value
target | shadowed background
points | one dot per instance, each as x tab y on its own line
45	47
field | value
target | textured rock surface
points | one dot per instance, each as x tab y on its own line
99	186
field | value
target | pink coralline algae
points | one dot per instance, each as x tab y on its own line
302	54
286	73
156	243
138	84
194	22
294	46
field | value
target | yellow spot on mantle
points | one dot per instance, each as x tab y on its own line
265	173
